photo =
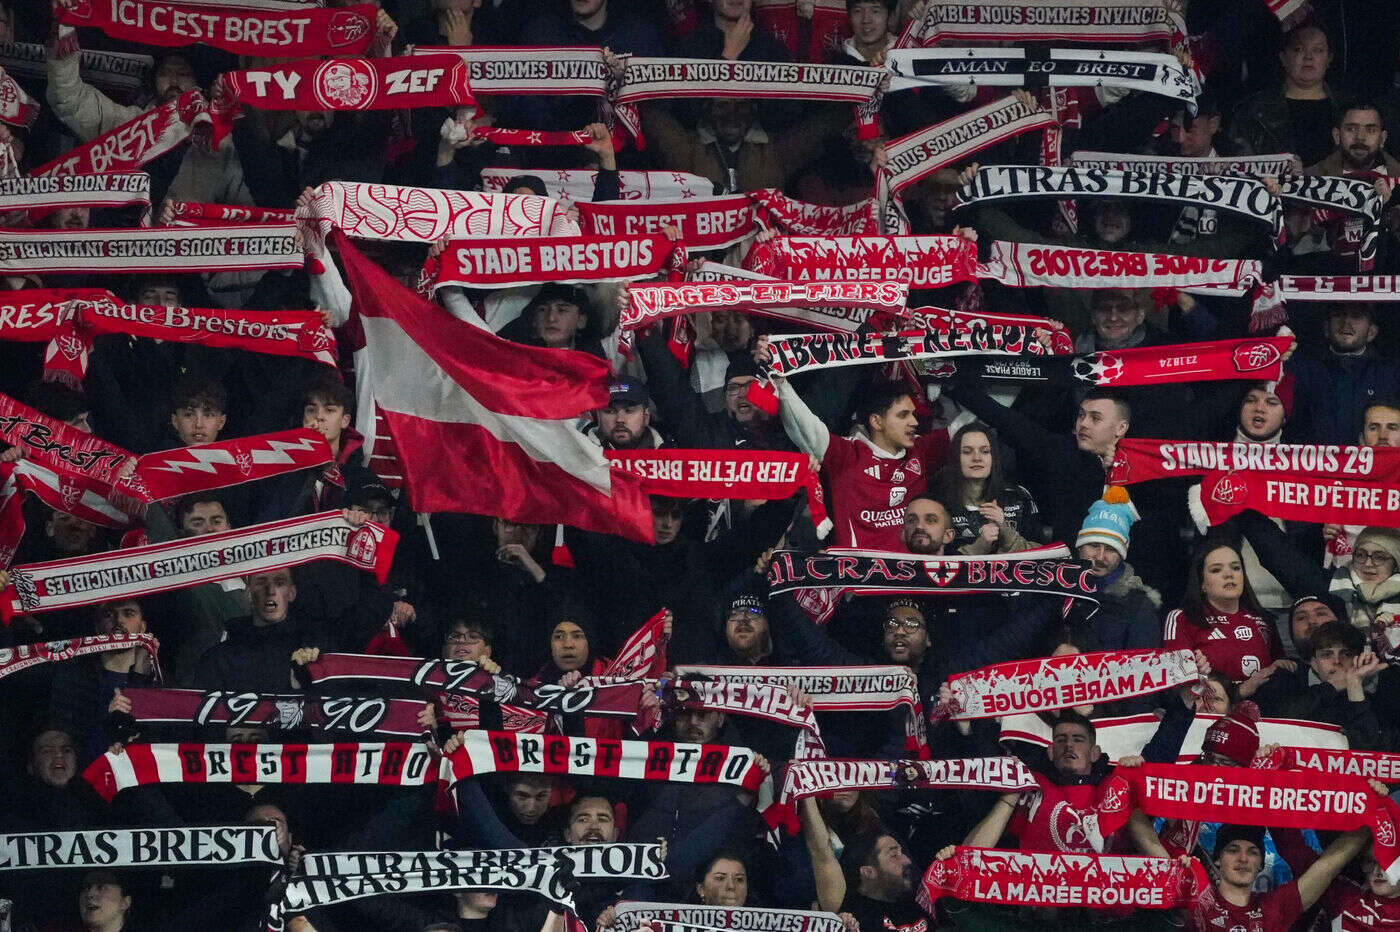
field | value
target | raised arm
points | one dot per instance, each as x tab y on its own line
826	870
1317	878
988	832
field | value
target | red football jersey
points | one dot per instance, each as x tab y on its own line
869	487
1267	912
1237	644
1050	819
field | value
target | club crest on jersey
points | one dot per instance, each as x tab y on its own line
897	495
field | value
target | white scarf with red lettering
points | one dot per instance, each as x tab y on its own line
139	140
426	215
1030	265
914	157
24	656
244	248
576	185
649	303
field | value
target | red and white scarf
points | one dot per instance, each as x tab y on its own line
1115	21
918	261
824	319
1339	287
141	571
1016	878
394	763
24	656
286	32
426	215
556	71
704	222
195	214
1138	459
812	351
643	654
829	27
244	248
36	315
141	139
1298	497
678	917
402	83
1148	72
792	217
914	157
1370	765
516	261
1030	265
1289	12
45	193
575	185
17	108
358	715
67	492
648	304
768	702
674	762
1260	166
1048	683
1246	796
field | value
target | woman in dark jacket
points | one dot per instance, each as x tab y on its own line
989	514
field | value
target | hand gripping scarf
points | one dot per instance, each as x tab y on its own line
990	875
516	261
1220	360
1129	22
1260	166
242	248
1243	196
196	214
357	715
918	261
1244	796
948	339
426	215
364	764
342	84
293	32
24	656
648	304
1328	195
576	184
1030	265
1151	72
692	918
464	678
120	74
139	140
70	493
1049	683
675	762
914	157
213	846
141	571
704	222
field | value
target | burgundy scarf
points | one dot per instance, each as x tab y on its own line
15	659
355	714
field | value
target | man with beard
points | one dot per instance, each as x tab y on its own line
625	424
1333	384
874	882
1360	137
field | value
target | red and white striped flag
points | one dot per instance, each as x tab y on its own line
484	425
643	655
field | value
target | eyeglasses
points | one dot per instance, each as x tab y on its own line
1374	557
908	624
735	389
465	638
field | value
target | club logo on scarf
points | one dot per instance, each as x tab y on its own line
313	339
344	84
1230	490
70	494
59	650
1252	356
289	713
1114	799
1120	470
1385	833
346	28
940	572
363	547
243	459
70	346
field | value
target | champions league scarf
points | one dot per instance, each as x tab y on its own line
293	32
141	847
914	157
195	214
649	303
1028	265
1016	878
356	714
385	764
462	677
807	352
118	73
426	215
675	762
24	656
1220	360
245	248
17	108
515	262
1296	497
1049	683
1138	459
141	139
1244	796
575	185
1246	197
678	917
141	571
918	261
1260	166
1150	72
818	777
1113	21
401	83
704	222
44	193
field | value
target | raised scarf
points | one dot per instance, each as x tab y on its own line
24	656
239	248
196	214
704	222
1246	197
462	677
1371	765
824	319
829	26
1031	265
1329	195
806	778
17	108
812	351
918	261
1339	287
792	217
643	654
183	846
141	571
1100	21
355	714
769	702
515	262
46	192
723	474
35	315
1092	881
577	184
118	73
670	761
1299	497
426	215
648	304
914	157
72	494
141	139
349	84
290	32
556	71
394	763
1257	165
1246	796
1045	684
1138	459
1258	358
632	916
1149	72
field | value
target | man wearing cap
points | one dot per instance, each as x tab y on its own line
1128	608
1333	385
625	424
746	632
